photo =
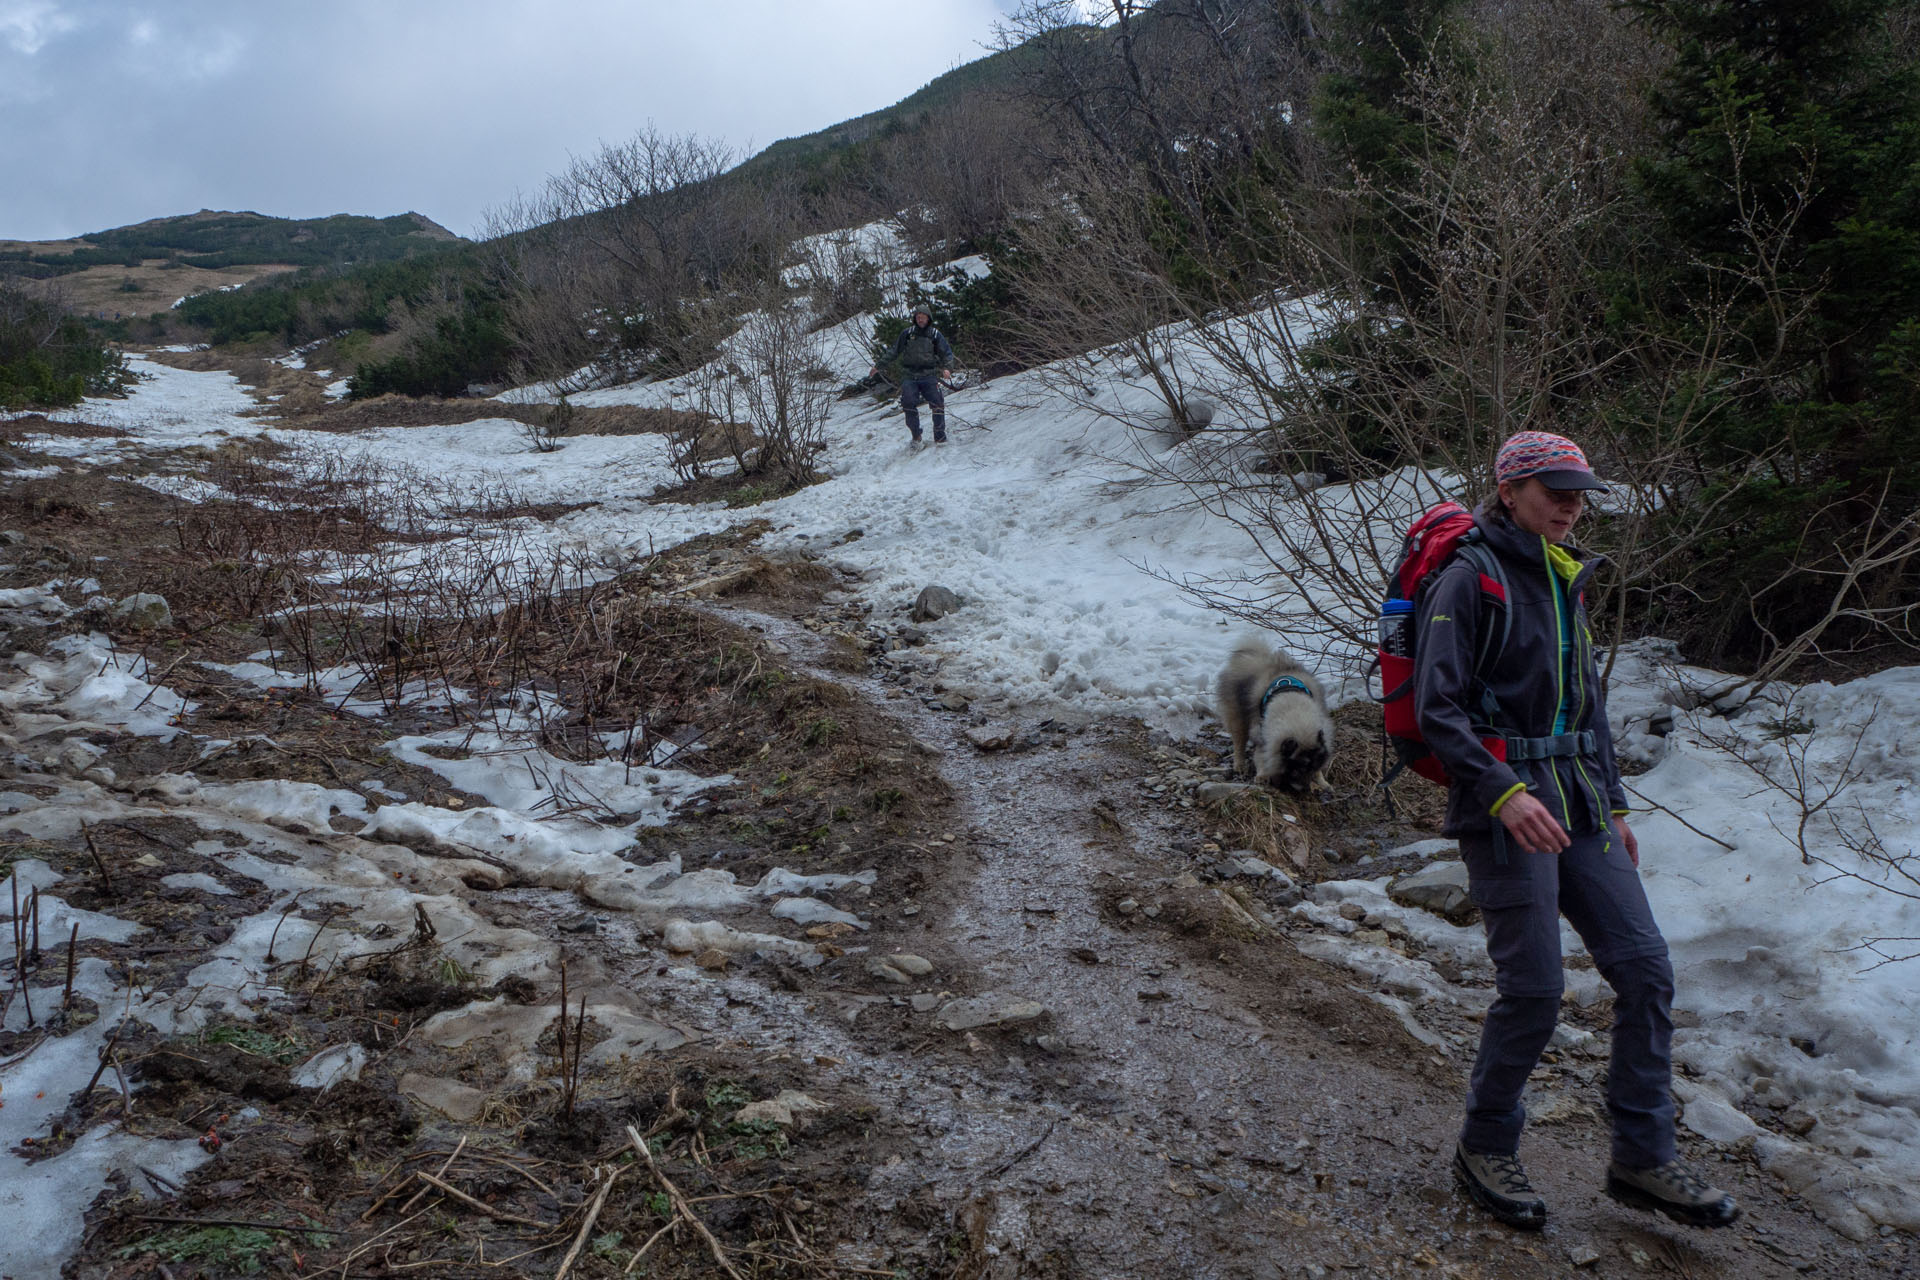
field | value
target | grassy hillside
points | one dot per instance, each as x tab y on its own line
144	268
214	240
994	73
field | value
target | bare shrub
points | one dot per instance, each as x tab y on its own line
768	398
624	259
1815	771
549	422
968	172
786	390
840	274
1333	370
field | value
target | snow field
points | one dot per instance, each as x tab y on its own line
171	408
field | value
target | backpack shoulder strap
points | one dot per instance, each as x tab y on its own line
1493	641
1493	585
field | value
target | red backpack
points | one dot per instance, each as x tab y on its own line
1432	541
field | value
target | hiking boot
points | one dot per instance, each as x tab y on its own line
939	437
1499	1185
1675	1190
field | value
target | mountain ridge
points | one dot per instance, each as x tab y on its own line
218	238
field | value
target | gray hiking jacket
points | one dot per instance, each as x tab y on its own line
922	352
1522	691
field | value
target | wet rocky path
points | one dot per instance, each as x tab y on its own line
1198	1100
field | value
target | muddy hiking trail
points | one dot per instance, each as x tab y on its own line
1042	1018
1202	1099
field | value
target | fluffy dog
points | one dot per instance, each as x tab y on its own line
1273	706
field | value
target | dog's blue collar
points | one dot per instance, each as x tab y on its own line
1284	683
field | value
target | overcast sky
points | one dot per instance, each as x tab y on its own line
113	112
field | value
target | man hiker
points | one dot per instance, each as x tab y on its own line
1542	826
925	358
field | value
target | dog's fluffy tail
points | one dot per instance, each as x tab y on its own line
1252	648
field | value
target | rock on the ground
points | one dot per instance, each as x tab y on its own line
686	938
1220	792
1279	887
1711	1116
901	969
933	602
989	1011
811	911
887	973
144	612
519	1025
456	1100
782	1109
1436	847
1440	888
72	757
330	1066
1572	1038
992	737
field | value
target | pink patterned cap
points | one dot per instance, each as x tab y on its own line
1554	460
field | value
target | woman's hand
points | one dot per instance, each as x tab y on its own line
1627	839
1532	826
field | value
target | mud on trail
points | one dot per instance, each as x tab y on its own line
1054	1034
1200	1098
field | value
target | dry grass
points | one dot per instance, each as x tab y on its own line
100	290
38	424
633	420
431	411
204	360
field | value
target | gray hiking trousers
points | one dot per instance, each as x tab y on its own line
1596	886
913	391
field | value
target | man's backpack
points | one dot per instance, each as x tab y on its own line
1443	532
924	346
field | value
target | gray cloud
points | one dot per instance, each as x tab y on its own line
113	111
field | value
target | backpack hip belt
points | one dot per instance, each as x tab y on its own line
1583	743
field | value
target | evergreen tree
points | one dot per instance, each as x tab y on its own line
49	359
1359	114
1789	183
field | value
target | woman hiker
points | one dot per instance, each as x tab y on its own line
926	358
1544	834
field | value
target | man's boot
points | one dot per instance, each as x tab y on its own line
1675	1190
1499	1185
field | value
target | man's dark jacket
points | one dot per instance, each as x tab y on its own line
922	352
